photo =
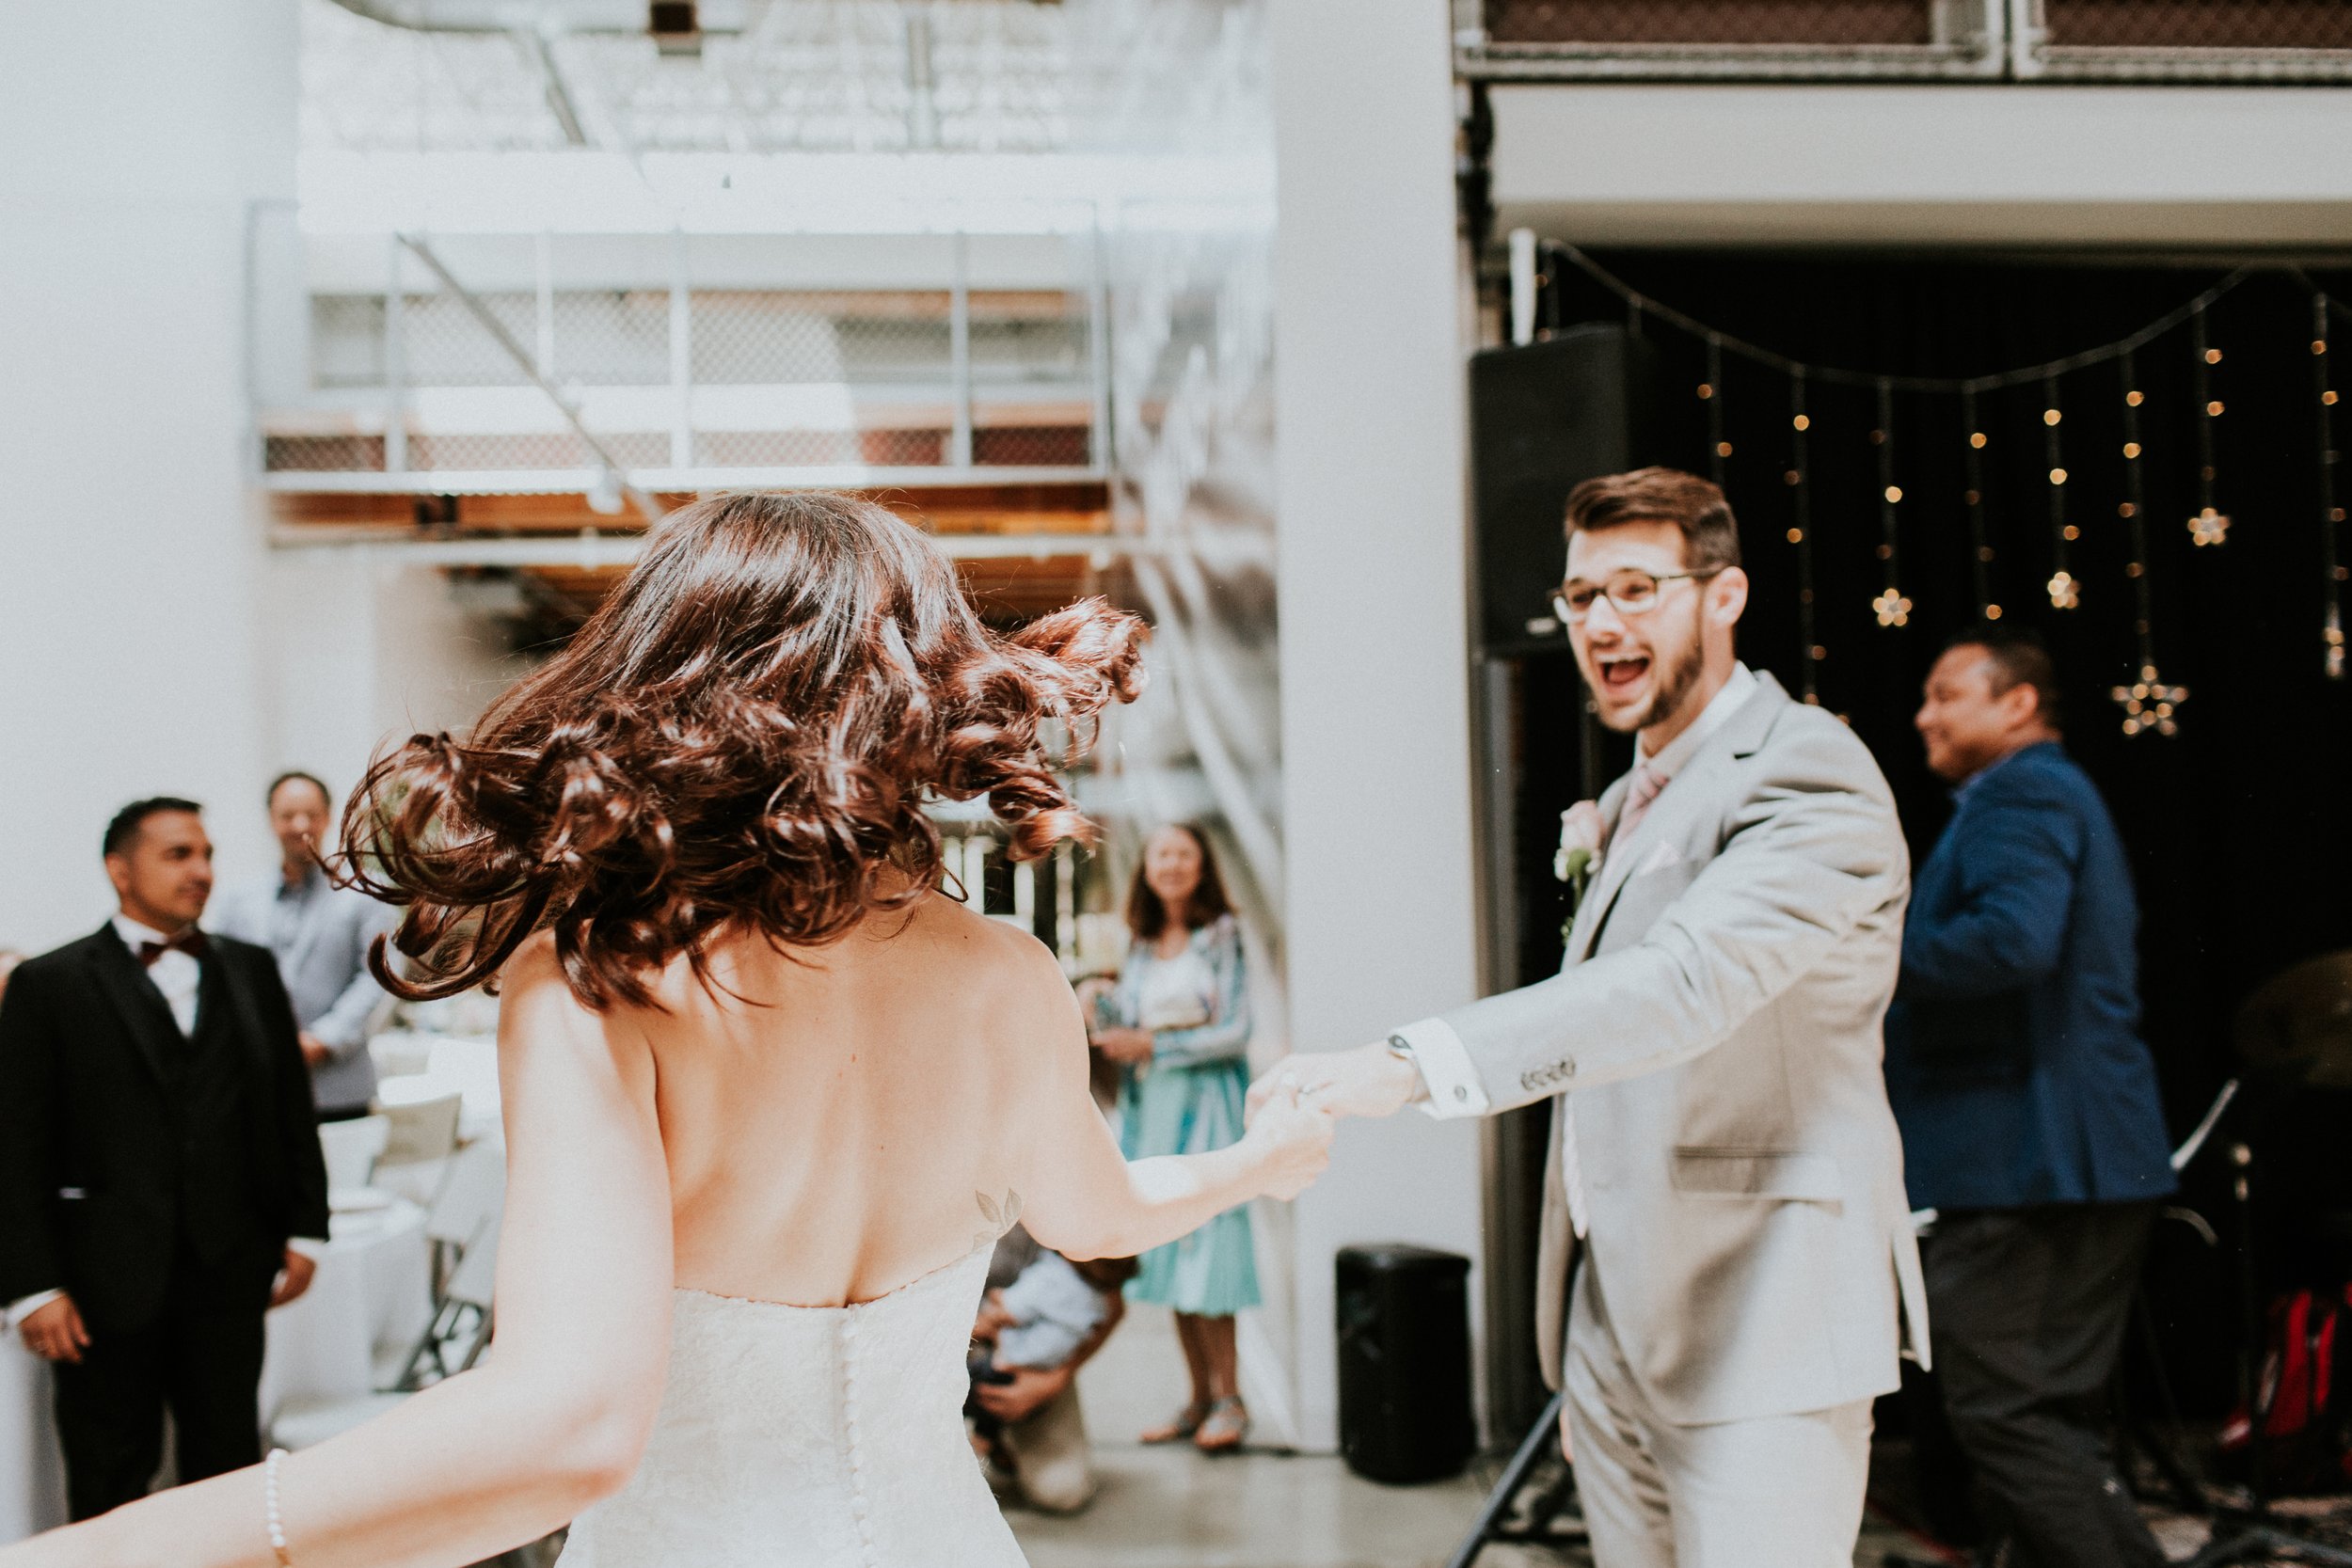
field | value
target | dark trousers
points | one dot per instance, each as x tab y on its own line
2028	1308
202	1360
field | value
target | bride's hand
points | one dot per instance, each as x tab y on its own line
1293	1142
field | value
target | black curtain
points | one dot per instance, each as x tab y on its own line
2240	827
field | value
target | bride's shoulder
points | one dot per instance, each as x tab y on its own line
996	957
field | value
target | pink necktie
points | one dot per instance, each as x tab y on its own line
1645	787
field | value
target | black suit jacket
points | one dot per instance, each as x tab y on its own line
101	1158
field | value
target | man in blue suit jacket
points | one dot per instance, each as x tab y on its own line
2028	1103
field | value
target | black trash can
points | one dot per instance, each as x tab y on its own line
1405	1363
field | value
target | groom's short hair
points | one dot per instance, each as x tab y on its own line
1711	537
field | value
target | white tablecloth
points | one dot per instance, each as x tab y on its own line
32	1476
371	1298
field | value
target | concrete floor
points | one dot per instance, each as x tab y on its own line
1173	1508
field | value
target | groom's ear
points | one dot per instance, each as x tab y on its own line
1727	596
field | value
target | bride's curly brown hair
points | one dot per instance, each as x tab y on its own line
741	738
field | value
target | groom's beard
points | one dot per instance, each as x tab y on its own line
1671	684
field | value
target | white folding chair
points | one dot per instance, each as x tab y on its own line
351	1148
421	1137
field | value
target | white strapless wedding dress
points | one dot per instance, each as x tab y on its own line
810	1437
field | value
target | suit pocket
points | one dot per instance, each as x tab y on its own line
1774	1175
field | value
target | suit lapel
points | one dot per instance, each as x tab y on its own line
1598	892
1688	799
134	999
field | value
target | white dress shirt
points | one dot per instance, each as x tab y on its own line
1438	1051
176	974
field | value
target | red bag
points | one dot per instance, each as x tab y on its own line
2306	1421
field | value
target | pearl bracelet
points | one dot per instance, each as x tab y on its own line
269	1507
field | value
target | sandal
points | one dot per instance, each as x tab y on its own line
1185	1422
1224	1427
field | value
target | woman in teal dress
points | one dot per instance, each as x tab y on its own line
1178	1022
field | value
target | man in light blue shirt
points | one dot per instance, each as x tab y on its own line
320	934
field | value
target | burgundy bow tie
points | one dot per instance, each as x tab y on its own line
190	942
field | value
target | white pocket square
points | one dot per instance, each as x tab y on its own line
1659	859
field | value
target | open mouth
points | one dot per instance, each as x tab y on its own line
1622	674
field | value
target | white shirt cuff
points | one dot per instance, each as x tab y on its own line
20	1310
1445	1066
310	1246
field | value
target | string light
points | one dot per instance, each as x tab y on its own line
1980	553
2209	526
1890	607
2065	591
2331	515
1711	392
2149	705
1801	535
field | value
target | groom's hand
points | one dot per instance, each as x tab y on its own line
1368	1081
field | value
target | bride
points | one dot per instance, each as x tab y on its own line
770	1095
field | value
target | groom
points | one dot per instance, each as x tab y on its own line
1721	1146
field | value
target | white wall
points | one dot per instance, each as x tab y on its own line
1926	165
1376	729
363	649
137	132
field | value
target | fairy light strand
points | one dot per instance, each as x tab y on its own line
2208	525
1890	607
1979	551
1801	535
2149	705
2065	589
2331	515
2023	375
1711	390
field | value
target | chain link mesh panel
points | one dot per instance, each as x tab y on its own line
744	337
1717	22
443	345
323	454
611	337
1045	446
347	340
2140	24
1032	336
867	377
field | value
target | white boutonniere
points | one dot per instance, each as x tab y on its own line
1577	859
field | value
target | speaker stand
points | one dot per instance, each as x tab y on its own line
1547	1497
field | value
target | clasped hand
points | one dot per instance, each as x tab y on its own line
1368	1081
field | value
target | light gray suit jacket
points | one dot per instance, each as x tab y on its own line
322	953
1714	1031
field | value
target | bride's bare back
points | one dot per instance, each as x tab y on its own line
854	1117
735	750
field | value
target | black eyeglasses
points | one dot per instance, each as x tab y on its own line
1629	592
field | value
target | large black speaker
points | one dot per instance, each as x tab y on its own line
1405	1363
1544	418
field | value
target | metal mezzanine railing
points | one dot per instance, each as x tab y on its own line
602	365
2103	40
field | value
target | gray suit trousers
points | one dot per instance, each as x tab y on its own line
1768	1492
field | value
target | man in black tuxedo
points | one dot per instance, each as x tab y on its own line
161	1183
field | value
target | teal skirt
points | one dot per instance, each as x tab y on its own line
1212	1272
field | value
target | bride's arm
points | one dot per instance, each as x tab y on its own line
556	1417
1083	1199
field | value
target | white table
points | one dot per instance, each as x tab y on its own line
369	1299
32	1474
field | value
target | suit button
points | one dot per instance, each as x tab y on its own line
1461	1091
1567	1068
